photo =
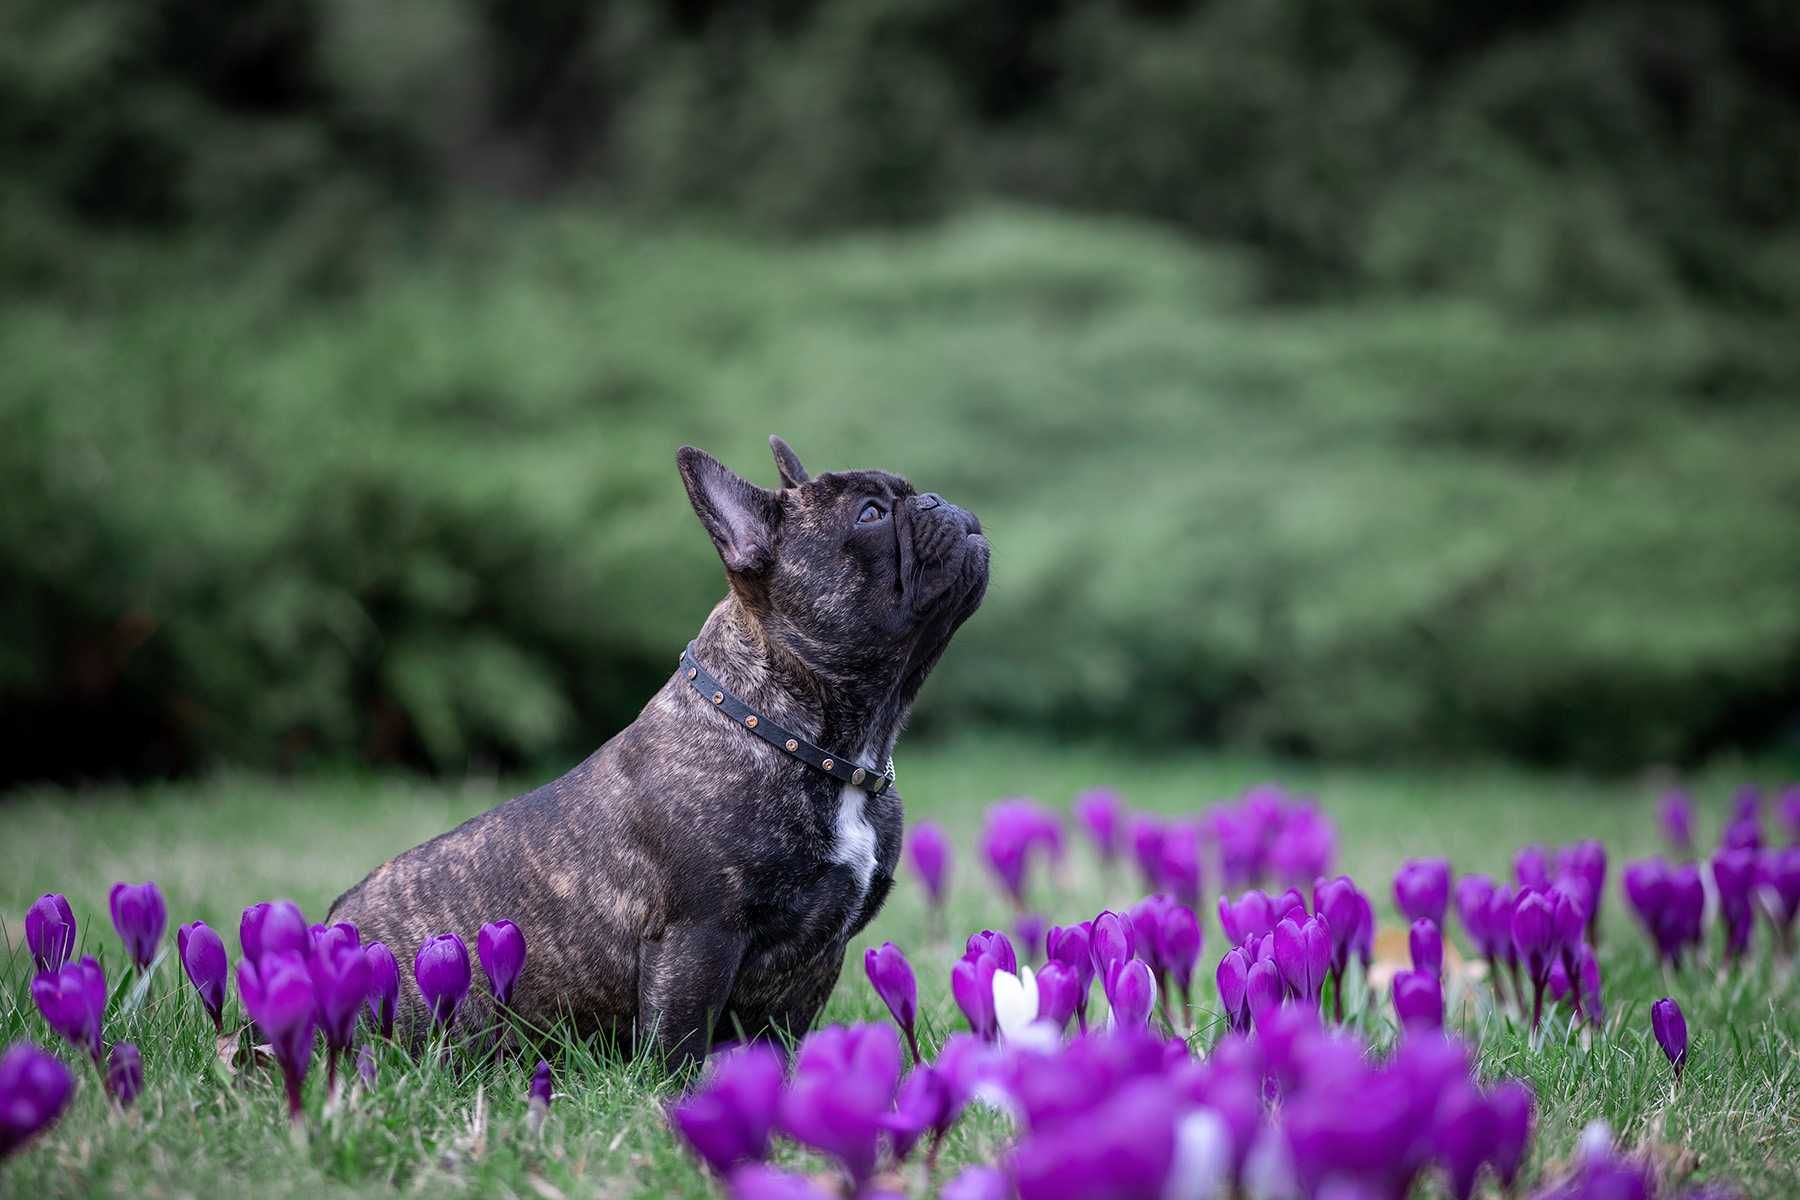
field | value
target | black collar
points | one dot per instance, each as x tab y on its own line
701	680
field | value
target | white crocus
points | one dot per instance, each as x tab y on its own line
1016	1012
1202	1166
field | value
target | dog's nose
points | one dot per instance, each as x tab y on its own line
929	501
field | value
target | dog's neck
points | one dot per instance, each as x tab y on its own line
857	712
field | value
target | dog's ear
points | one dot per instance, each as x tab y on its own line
739	516
787	462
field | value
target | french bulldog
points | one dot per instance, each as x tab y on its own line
691	881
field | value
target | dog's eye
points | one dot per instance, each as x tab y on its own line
871	513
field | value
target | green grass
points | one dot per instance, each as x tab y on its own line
216	845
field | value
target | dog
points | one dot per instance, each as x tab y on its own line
698	876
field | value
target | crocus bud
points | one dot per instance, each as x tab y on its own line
501	947
124	1074
1587	968
972	986
1233	979
384	986
73	1002
1098	812
203	958
1778	882
50	931
1670	1028
1112	939
1145	834
1057	986
929	852
1028	930
1303	955
726	1120
1262	989
996	944
1531	868
340	977
139	915
1514	1109
1427	944
538	1105
1422	889
1534	937
1249	916
34	1089
1462	1136
1178	938
441	969
1338	901
892	977
1419	1000
1146	930
1289	905
1474	894
277	991
273	927
1734	875
1675	812
1131	993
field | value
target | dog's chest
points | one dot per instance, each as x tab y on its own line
853	845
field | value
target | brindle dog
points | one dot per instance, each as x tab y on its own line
688	877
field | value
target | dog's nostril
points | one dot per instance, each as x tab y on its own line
930	500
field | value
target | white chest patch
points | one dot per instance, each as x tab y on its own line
855	845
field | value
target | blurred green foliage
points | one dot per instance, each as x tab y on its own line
1549	154
434	516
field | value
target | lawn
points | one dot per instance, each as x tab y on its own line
221	843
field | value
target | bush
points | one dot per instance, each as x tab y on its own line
435	518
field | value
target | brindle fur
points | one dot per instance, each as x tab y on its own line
681	879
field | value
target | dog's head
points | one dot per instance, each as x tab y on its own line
853	571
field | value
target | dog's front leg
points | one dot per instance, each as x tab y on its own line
684	978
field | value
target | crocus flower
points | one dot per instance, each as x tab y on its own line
1670	1028
73	1003
892	977
1675	812
1130	993
1263	989
1514	1110
1778	883
972	986
1744	830
340	978
1427	944
538	1097
273	927
1179	939
330	937
441	969
1249	916
1072	946
1531	868
50	931
1534	936
1422	889
139	915
1028	930
1304	846
1586	861
1419	1000
1587	975
1649	888
1347	914
929	852
384	986
1145	834
1098	813
501	947
278	993
843	1085
1303	955
1463	1134
124	1073
1734	875
1016	828
1475	906
34	1089
997	944
203	958
918	1107
1112	938
1057	985
1178	862
726	1120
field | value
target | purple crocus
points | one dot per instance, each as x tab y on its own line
278	994
1650	890
124	1073
273	927
1426	942
203	957
1130	993
1145	833
50	931
1675	813
918	1107
1419	1000
1463	1134
1179	938
726	1120
892	977
340	977
1587	979
73	1003
1734	876
1778	883
997	944
1028	933
1586	861
1474	905
34	1089
384	986
1098	813
1178	862
1514	1112
1263	990
538	1096
929	852
1057	988
972	986
1744	830
1249	916
140	916
1303	955
1112	938
441	969
1348	916
501	948
1531	868
1072	946
1534	937
1670	1028
1014	830
842	1089
1422	889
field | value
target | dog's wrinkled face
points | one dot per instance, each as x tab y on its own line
854	571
